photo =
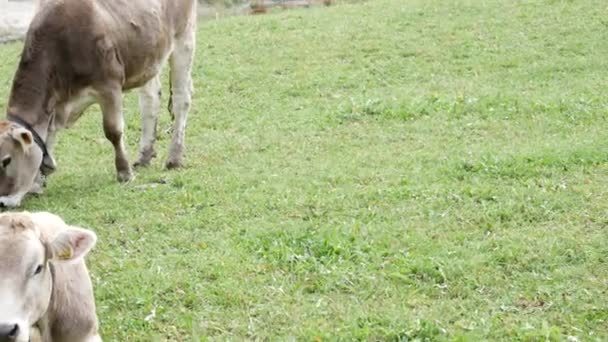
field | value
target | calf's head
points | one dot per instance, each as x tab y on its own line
26	280
20	162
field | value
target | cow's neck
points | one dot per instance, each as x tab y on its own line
31	95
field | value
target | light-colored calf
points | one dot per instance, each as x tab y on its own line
45	289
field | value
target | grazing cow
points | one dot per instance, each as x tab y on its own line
81	52
45	288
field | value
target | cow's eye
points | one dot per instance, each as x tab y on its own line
38	270
5	161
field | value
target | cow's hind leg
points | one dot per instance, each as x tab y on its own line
181	92
113	126
94	338
149	106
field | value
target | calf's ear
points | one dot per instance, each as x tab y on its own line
72	244
23	137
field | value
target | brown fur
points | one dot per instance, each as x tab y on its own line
73	44
80	52
4	126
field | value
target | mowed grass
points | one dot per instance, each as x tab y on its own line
393	170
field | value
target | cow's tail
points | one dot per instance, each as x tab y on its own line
170	104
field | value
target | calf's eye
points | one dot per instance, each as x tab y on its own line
38	270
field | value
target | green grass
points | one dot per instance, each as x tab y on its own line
393	170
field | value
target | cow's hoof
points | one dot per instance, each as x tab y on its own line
124	176
145	157
173	164
141	163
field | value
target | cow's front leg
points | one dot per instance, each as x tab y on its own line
113	126
48	164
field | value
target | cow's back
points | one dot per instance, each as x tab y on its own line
81	37
144	32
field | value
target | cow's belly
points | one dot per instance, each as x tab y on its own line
148	71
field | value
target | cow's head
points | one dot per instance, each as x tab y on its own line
26	280
21	160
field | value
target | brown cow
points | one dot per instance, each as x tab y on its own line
80	52
45	289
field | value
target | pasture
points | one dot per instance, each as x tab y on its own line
388	170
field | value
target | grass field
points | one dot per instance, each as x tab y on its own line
393	170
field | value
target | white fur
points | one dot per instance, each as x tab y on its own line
182	87
149	104
12	201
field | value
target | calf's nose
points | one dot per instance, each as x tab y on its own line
9	332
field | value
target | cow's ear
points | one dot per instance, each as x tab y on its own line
23	137
72	244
